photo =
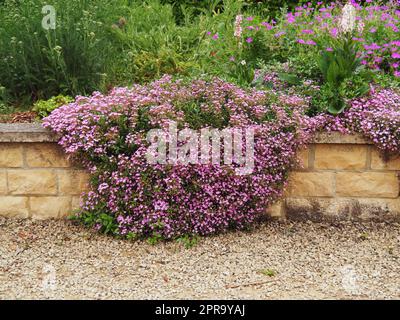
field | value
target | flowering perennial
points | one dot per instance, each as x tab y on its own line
374	27
131	197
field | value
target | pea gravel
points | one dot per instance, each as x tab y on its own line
278	260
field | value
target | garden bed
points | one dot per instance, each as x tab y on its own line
343	176
280	78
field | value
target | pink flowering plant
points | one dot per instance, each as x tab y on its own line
131	198
342	48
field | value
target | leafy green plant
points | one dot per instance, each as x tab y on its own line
152	65
188	241
154	239
71	59
44	107
4	108
336	67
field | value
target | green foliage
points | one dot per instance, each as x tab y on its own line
4	108
44	107
72	59
155	238
272	8
152	65
151	44
188	241
198	117
99	44
337	68
108	224
291	79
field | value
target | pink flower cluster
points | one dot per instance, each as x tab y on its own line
376	117
107	134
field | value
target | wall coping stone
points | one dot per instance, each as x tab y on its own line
34	132
339	138
25	132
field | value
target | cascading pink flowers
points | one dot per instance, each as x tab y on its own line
104	132
107	134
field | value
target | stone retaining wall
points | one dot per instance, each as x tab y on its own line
342	176
36	180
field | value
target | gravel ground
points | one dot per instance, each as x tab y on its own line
278	260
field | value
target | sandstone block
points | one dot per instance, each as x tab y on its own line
367	184
14	207
50	207
73	182
377	163
24	182
45	155
311	184
3	182
302	155
318	209
276	210
344	157
11	155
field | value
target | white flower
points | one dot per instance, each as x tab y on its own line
243	62
348	21
238	26
360	27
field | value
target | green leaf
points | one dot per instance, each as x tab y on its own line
362	90
337	105
333	75
289	78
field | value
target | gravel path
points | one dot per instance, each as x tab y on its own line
278	260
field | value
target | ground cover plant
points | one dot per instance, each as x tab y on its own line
134	198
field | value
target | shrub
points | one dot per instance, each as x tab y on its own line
378	118
375	116
44	107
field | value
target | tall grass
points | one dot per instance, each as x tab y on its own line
97	44
72	59
151	43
